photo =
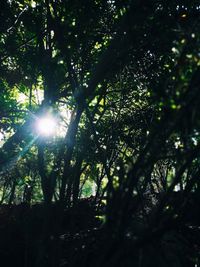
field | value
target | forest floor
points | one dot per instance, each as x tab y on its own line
21	230
83	240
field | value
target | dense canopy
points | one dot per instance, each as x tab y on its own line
99	133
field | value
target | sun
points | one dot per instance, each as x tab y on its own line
53	124
46	125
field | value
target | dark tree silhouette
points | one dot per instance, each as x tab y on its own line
117	181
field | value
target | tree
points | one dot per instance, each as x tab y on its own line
121	79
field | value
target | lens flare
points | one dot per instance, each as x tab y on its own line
46	126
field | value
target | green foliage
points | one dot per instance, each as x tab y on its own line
88	189
122	80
